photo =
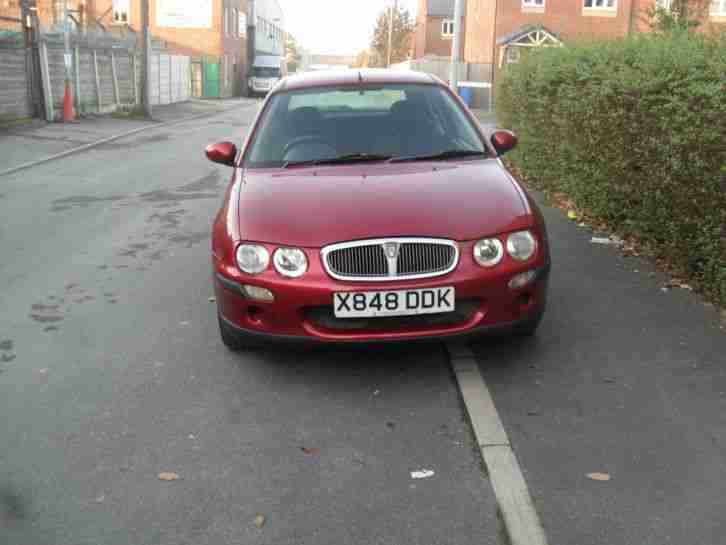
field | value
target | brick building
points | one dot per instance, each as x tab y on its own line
434	29
212	32
499	32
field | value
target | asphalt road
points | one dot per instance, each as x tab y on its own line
623	379
112	372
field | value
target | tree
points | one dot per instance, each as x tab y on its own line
362	60
293	57
403	28
682	15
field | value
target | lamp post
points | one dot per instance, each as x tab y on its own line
146	55
390	32
456	45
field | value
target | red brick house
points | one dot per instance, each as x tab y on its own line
214	30
434	33
498	32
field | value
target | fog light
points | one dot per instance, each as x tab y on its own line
522	280
258	294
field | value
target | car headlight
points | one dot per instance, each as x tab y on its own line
290	262
488	252
252	258
521	245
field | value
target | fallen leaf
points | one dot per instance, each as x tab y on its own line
422	474
310	451
599	476
168	476
260	520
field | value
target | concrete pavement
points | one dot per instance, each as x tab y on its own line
21	144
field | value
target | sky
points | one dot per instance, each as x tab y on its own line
343	27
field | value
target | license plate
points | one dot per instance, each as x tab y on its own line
367	304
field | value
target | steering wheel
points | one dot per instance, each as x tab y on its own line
307	139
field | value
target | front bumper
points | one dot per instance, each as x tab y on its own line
254	338
302	310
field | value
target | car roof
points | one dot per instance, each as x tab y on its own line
332	78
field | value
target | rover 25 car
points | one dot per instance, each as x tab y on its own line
370	205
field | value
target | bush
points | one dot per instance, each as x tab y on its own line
634	131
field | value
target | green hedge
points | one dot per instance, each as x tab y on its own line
634	131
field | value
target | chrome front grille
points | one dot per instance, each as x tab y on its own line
389	259
368	261
424	257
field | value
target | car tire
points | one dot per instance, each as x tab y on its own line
230	340
529	329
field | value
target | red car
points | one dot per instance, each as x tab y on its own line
369	205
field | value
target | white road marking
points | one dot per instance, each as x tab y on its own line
520	517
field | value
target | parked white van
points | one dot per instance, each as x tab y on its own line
266	71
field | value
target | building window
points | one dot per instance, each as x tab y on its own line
601	4
120	13
447	27
533	3
513	55
718	7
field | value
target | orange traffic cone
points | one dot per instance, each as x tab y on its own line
68	114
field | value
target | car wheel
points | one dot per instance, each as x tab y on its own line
529	329
229	339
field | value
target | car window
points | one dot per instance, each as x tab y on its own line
265	72
393	120
371	99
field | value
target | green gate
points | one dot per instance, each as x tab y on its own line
211	78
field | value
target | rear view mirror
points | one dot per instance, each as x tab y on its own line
503	141
223	153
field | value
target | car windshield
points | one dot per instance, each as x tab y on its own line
365	123
265	72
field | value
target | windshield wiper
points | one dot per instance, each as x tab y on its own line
341	159
449	154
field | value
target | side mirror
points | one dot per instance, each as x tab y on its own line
503	141
223	153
